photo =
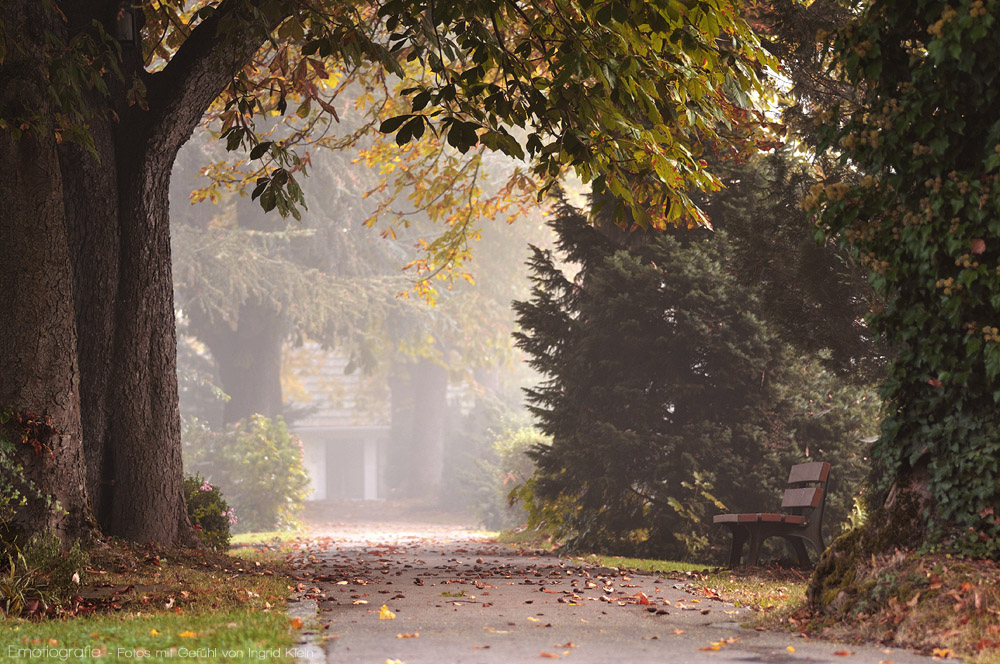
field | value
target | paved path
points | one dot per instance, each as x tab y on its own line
458	598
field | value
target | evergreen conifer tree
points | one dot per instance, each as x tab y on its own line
666	393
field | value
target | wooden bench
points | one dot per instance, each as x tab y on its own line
799	521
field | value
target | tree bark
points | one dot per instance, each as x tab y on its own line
38	365
87	291
90	198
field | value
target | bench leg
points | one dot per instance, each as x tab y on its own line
736	552
799	547
756	540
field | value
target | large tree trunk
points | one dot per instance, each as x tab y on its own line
899	524
90	197
142	452
88	319
38	364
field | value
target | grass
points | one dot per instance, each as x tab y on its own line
774	591
762	589
264	537
156	637
159	605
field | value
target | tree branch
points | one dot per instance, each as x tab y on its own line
208	60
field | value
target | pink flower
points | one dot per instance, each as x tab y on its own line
205	486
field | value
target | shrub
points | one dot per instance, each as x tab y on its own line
19	590
209	512
257	464
16	489
59	571
506	467
39	577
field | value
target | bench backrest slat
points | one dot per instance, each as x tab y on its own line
810	497
816	471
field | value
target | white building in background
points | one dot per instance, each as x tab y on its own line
345	427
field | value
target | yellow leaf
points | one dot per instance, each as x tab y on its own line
944	653
790	648
412	635
154	632
385	614
296	623
533	619
187	634
394	661
549	655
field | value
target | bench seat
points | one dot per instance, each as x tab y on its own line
770	517
800	520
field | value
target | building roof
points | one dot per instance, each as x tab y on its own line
317	384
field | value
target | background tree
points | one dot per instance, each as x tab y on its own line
814	295
247	282
130	93
924	129
662	382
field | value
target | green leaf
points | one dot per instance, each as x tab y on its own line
260	149
392	124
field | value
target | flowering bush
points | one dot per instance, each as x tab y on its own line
257	463
209	513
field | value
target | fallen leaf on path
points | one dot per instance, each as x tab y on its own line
943	653
411	635
717	645
568	644
296	623
533	619
549	655
790	648
394	661
843	653
385	614
678	631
